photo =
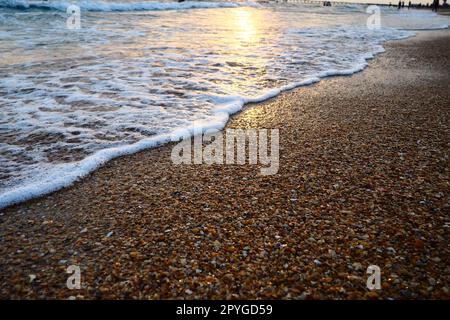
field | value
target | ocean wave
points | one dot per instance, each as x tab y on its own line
14	4
61	175
121	6
71	101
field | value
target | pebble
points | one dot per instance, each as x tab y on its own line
352	199
332	254
357	266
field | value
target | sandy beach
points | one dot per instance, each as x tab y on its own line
363	180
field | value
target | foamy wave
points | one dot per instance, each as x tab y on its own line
15	4
72	100
63	175
122	6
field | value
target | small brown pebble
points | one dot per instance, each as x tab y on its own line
372	295
418	244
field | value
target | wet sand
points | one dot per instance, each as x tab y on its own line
363	180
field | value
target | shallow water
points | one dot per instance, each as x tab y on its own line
137	72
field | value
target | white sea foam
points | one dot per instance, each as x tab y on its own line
69	102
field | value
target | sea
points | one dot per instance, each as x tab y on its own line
83	82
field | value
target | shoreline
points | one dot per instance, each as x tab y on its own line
163	231
64	178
